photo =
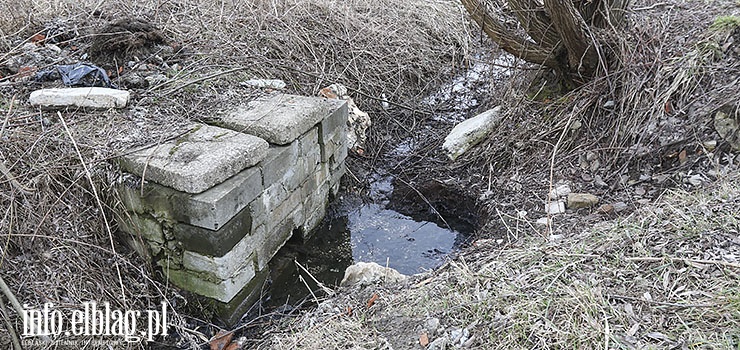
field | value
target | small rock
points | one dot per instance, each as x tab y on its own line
424	339
605	209
135	81
560	191
727	127
695	180
555	207
640	191
470	132
432	325
609	104
156	79
581	200
591	156
91	97
619	206
363	273
710	145
598	181
276	84
543	221
595	165
438	344
457	335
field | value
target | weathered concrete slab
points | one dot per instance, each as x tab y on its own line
222	267
222	291
211	209
273	241
198	160
218	242
214	243
279	159
231	312
216	206
281	118
89	97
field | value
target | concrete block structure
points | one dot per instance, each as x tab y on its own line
218	202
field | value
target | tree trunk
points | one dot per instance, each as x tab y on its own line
583	58
559	34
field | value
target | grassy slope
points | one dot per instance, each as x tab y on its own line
667	275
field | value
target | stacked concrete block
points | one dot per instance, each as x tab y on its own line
216	204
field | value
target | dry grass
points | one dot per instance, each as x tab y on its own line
664	277
667	75
57	219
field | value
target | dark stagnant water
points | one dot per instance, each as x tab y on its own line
367	229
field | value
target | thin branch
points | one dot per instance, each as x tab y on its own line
685	260
517	46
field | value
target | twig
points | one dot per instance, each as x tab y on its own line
8	175
300	277
685	260
7	117
11	297
624	297
552	169
207	77
98	201
650	7
508	229
321	285
10	328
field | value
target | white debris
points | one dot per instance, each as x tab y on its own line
276	84
357	121
370	273
91	97
470	132
560	191
555	207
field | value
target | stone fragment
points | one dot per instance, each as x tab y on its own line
728	128
363	273
438	344
432	325
357	121
89	97
281	118
276	84
198	160
470	132
605	209
619	206
581	200
560	191
555	208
